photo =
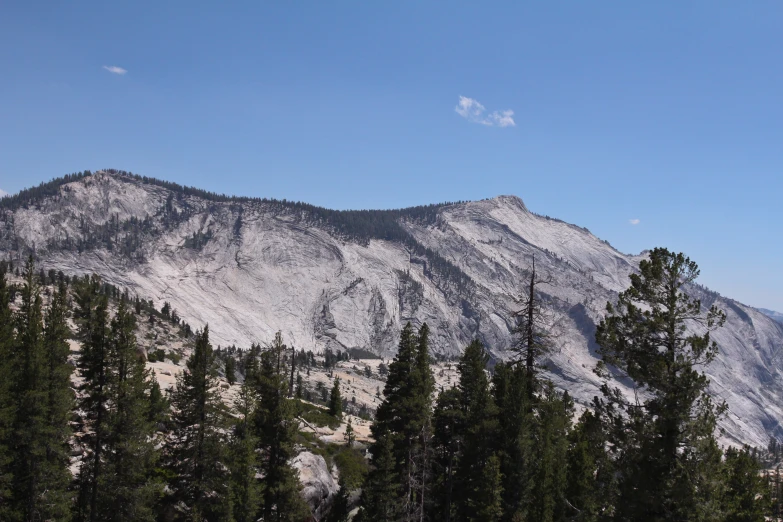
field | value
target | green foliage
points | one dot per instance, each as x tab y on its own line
276	428
41	404
230	369
243	460
478	433
515	441
156	355
399	480
115	479
745	495
550	462
590	489
6	396
352	465
336	400
668	456
196	450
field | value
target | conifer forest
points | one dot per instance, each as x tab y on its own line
500	443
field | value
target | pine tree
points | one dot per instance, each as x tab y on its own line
448	431
487	502
127	492
158	405
245	488
231	369
40	388
339	511
480	432
59	401
276	428
350	435
554	413
669	457
590	489
380	493
402	427
92	318
745	496
515	443
383	491
335	400
533	339
195	452
7	409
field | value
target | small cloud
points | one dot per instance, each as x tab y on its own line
474	111
634	221
3	193
114	69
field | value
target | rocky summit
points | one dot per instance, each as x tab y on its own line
351	279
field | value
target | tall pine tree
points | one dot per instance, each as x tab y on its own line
397	485
6	396
243	458
276	428
40	388
669	457
474	497
127	491
92	318
195	452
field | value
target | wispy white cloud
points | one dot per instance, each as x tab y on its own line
3	193
475	112
114	69
634	221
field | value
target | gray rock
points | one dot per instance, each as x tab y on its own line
318	485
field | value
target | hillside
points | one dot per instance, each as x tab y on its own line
342	280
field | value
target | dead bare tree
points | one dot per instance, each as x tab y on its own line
534	332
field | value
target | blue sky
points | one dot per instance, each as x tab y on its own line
598	113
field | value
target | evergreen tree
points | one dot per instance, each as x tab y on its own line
231	369
335	400
127	492
339	511
669	458
245	488
590	489
548	504
403	428
158	405
92	318
350	435
380	494
745	495
515	442
448	424
276	429
7	341
195	452
40	389
487	502
474	498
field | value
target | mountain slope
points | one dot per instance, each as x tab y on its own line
352	279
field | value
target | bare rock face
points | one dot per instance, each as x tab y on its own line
250	268
318	485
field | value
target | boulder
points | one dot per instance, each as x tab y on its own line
318	485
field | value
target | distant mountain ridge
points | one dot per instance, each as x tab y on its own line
777	316
350	279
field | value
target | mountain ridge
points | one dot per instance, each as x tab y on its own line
350	279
